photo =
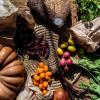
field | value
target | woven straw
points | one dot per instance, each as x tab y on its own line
32	92
52	60
52	40
31	65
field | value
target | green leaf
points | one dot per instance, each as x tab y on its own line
88	9
98	6
95	88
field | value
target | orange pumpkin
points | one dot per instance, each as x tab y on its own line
12	73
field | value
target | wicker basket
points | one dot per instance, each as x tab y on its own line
30	66
32	92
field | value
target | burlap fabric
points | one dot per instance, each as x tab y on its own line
64	10
87	34
8	13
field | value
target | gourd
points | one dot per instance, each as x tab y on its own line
12	73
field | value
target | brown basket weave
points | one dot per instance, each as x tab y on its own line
31	65
52	39
35	94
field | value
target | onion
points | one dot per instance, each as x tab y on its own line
62	62
61	94
66	68
69	62
66	55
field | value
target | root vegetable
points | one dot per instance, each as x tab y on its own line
69	62
66	68
62	62
66	55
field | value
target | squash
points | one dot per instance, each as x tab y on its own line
12	73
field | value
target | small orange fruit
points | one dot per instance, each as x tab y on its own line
33	80
36	83
40	86
46	77
41	81
49	80
45	84
40	70
37	78
42	75
49	73
37	73
41	64
33	76
44	92
43	88
46	68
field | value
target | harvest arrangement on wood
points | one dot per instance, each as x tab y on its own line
49	50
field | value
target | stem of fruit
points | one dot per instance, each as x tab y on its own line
70	36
